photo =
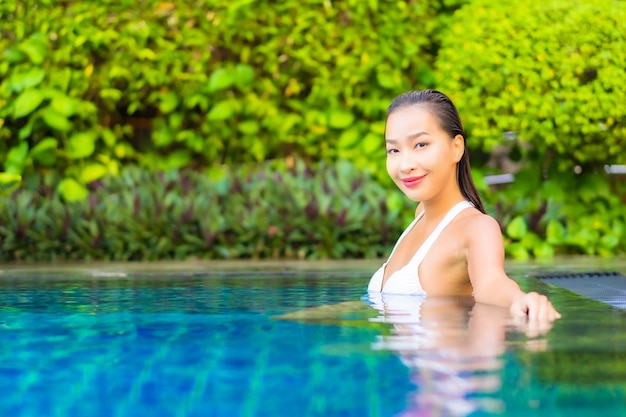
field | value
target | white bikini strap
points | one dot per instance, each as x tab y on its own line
423	250
404	233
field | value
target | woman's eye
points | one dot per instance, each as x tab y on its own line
420	145
391	151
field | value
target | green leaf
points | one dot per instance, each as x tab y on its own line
14	55
378	128
9	182
176	120
220	79
349	138
35	49
394	202
64	104
609	241
340	119
162	137
386	78
123	150
553	189
111	94
258	150
56	120
4	68
16	158
169	102
543	250
479	181
26	131
216	173
517	228
92	172
44	145
71	190
248	127
518	251
108	137
555	231
199	100
244	75
373	144
29	79
27	102
82	144
48	158
178	159
119	72
221	111
146	54
63	78
134	106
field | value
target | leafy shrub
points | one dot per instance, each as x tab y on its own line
86	85
550	72
273	210
286	210
565	215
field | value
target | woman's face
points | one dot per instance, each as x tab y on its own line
421	156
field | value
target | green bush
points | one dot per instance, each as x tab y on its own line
568	214
286	210
268	211
549	72
88	85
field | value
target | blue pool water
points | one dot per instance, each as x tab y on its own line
293	344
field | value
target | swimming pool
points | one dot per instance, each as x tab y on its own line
278	341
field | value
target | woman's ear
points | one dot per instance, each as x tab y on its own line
458	146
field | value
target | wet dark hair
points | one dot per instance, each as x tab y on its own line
446	114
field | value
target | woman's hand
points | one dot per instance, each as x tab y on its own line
535	306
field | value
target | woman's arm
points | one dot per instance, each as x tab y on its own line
485	263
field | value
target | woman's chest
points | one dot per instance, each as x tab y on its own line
444	269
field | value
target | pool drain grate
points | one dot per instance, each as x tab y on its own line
606	286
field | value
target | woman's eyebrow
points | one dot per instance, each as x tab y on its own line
409	137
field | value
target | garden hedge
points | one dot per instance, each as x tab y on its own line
86	86
548	73
283	210
278	210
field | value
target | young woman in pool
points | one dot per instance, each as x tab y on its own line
452	247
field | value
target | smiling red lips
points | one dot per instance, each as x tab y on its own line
412	181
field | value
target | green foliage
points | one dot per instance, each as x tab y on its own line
9	182
551	72
286	210
88	85
563	214
276	210
47	117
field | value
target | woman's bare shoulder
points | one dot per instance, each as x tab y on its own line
484	220
479	225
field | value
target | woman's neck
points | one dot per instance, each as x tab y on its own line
436	208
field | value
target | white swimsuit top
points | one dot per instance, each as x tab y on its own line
406	280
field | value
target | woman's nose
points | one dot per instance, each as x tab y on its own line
408	162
